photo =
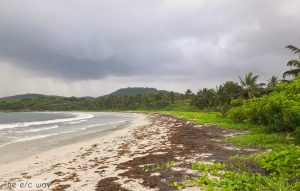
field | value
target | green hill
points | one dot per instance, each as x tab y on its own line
23	96
137	90
121	92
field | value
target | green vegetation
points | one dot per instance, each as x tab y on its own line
181	105
261	140
250	85
212	118
23	96
280	164
218	99
273	81
135	91
168	165
281	174
278	111
111	102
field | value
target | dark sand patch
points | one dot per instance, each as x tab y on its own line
109	184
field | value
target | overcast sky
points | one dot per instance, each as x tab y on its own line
93	47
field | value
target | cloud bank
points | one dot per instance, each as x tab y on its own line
170	43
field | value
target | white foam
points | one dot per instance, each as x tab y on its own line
77	122
75	119
101	124
37	130
79	116
30	138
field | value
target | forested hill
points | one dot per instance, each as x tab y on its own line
122	99
136	90
130	91
23	96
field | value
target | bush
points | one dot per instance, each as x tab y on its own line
182	105
278	111
272	140
284	161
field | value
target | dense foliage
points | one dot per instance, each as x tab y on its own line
219	98
281	165
137	90
278	111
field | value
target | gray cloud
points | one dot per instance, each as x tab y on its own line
209	41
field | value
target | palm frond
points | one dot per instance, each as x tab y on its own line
294	62
262	84
284	81
273	79
242	81
254	79
294	49
292	72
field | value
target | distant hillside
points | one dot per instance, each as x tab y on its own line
121	92
29	95
87	97
137	90
23	96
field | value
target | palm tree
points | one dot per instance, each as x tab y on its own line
273	81
293	63
188	93
250	85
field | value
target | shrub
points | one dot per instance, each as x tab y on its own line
278	111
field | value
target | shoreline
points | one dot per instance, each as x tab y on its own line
120	161
28	145
52	155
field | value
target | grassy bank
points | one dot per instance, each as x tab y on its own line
278	165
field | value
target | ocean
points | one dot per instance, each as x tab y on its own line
26	133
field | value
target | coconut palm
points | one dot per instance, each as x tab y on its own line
250	85
294	63
188	93
273	81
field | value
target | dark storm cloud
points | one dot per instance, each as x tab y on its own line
92	39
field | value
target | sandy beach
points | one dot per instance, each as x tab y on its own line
122	160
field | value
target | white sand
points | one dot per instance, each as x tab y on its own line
76	164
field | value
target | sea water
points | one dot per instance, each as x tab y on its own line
26	133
